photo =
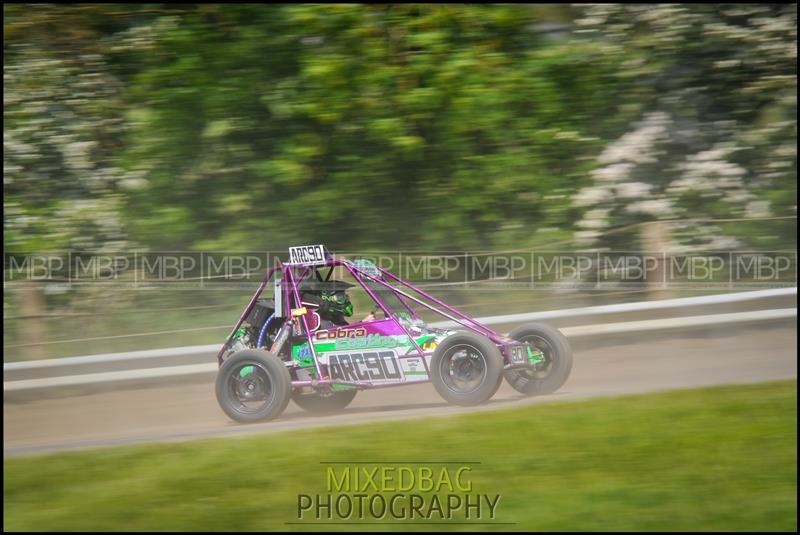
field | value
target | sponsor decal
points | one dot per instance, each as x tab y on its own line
302	352
414	367
372	341
368	366
357	340
367	267
341	333
518	355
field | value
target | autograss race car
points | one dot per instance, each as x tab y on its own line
300	345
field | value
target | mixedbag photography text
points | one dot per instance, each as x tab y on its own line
398	492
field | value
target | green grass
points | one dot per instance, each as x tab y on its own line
711	459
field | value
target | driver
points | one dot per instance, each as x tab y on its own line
336	306
333	303
339	306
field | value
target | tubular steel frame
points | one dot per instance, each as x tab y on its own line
291	282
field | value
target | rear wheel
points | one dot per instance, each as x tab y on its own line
466	369
253	385
319	403
553	373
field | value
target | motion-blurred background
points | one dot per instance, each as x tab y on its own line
133	129
507	158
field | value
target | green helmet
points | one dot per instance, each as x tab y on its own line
337	302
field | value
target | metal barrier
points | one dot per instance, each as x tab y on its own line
571	332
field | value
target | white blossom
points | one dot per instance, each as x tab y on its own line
613	173
758	209
654	207
594	219
637	146
633	190
592	195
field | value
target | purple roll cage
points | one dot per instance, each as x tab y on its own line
294	274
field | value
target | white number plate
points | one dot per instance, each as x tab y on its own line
307	255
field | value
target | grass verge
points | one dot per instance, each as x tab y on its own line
709	459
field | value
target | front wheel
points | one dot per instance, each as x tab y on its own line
549	376
317	403
253	385
466	369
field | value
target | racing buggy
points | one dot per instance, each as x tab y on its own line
299	344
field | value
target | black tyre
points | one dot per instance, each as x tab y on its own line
558	360
253	385
318	403
466	369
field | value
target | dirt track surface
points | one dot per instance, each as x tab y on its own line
190	411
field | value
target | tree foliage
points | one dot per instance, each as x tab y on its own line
718	137
381	126
64	131
238	126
